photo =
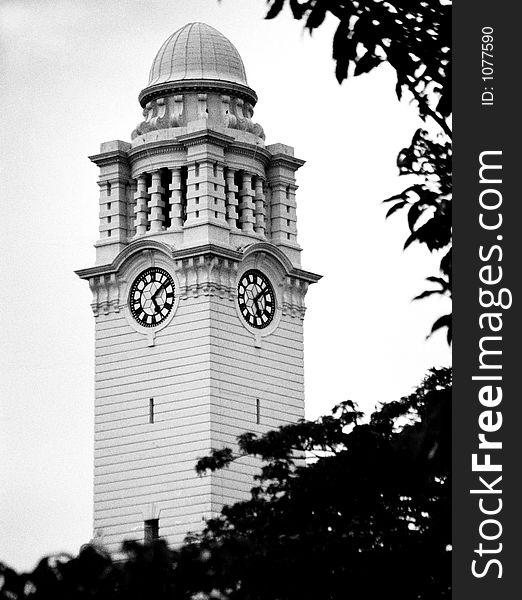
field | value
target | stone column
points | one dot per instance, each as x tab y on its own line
176	209
246	206
216	191
231	194
260	209
156	203
194	193
141	210
130	193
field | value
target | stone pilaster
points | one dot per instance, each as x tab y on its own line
114	179
280	174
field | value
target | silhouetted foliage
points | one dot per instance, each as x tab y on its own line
414	38
366	516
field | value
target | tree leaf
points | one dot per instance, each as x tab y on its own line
298	9
438	280
343	51
444	321
396	207
427	293
410	239
317	14
366	63
414	213
275	9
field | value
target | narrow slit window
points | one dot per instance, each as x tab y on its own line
109	219
151	410
215	170
150	530
258	411
109	186
108	206
109	233
288	191
196	170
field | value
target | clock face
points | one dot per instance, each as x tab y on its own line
151	298
256	299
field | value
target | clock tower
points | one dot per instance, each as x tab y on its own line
198	295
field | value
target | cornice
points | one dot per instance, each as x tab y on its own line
108	158
284	160
279	255
197	251
208	249
205	136
305	275
149	244
155	148
196	85
250	150
133	248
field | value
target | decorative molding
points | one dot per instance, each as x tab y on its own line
207	275
284	160
155	148
205	136
106	294
109	158
240	115
294	292
251	151
198	86
206	270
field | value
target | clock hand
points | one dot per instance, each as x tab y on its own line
155	295
261	293
161	287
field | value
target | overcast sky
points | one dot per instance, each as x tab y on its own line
70	77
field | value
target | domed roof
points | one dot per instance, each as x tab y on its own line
197	51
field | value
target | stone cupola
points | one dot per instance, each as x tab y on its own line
198	74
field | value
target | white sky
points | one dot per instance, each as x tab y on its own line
70	76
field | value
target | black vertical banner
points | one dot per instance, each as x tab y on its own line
487	413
